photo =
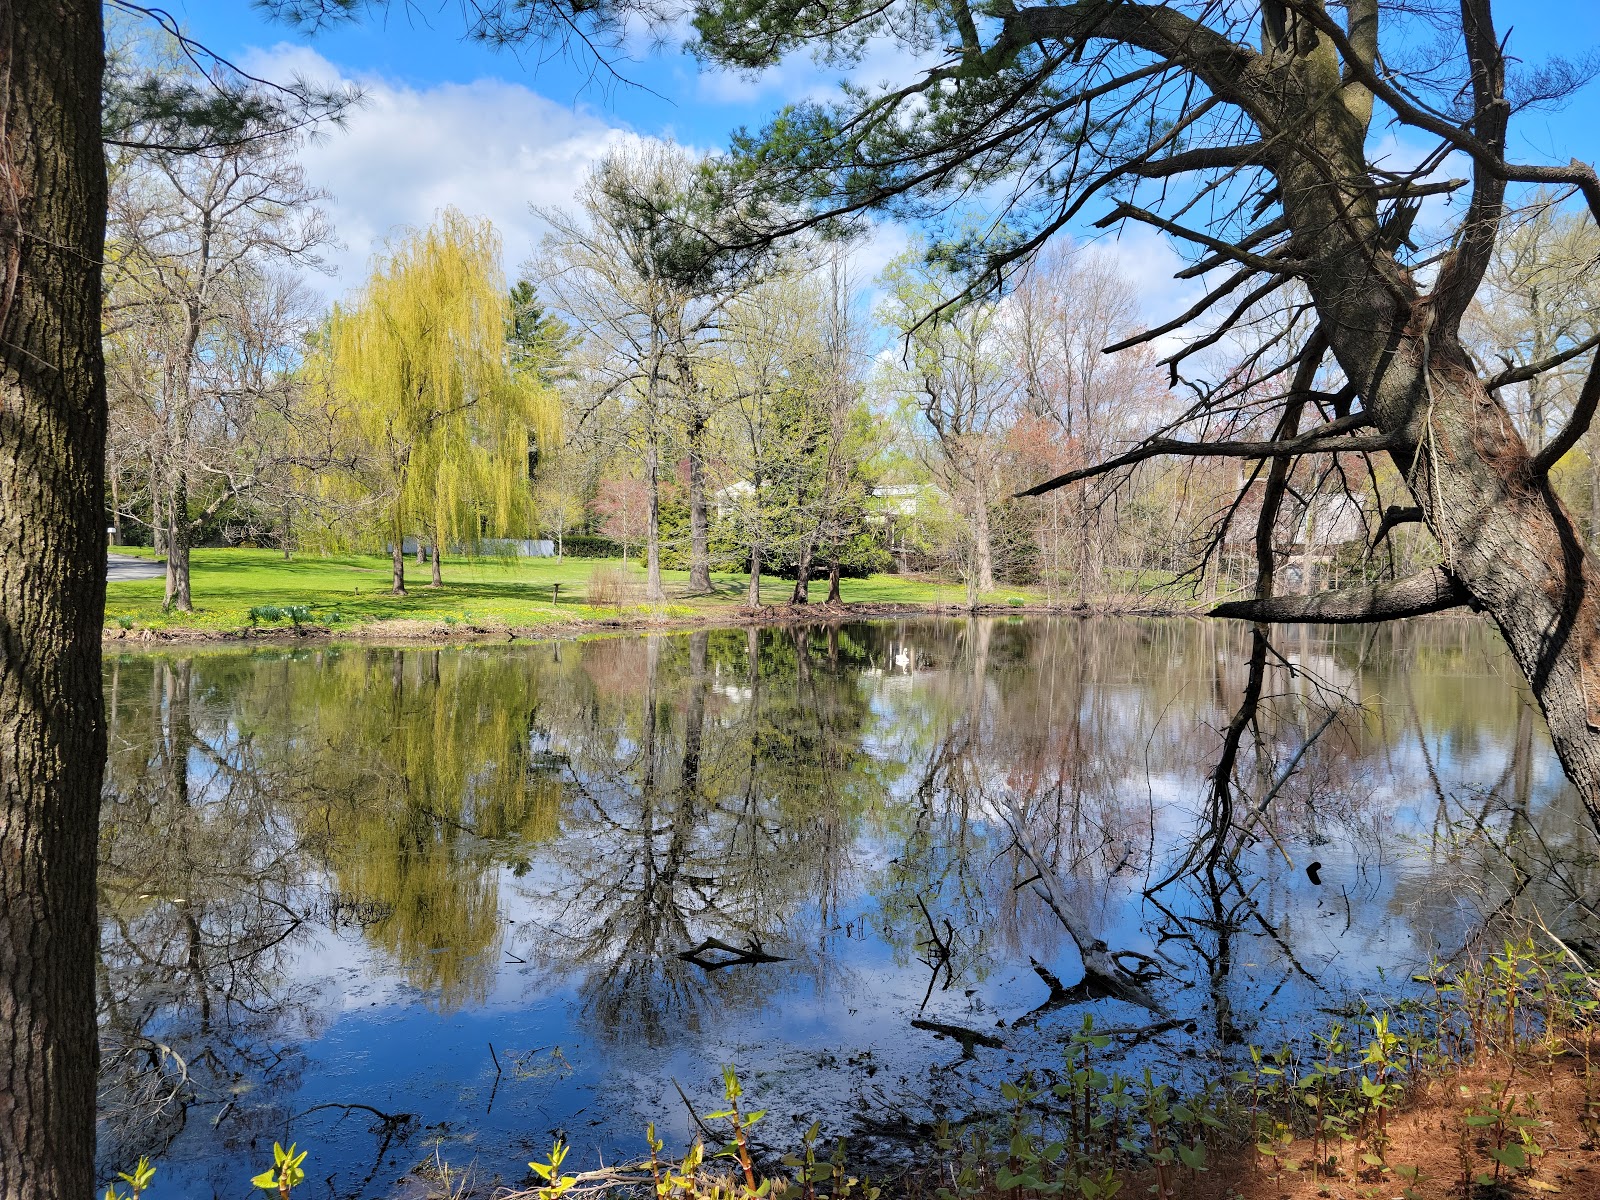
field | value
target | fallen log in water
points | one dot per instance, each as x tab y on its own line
969	1038
753	953
1103	975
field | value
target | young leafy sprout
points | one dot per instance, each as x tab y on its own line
138	1181
555	1182
284	1173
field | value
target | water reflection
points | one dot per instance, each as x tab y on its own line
334	878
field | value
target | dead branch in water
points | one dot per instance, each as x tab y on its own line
753	953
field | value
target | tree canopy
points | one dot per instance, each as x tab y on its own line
442	412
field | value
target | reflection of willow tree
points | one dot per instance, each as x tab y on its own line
714	781
198	921
410	773
238	788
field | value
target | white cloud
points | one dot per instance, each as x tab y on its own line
493	148
490	148
1148	260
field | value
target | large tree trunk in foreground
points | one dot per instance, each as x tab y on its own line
52	590
1514	548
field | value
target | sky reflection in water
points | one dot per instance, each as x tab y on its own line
335	877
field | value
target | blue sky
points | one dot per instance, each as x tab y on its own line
452	122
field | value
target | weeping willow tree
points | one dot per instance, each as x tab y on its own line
441	415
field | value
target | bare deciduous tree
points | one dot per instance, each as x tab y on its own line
203	324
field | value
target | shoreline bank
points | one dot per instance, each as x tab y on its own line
415	630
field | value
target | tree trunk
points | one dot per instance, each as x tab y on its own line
178	548
52	590
422	551
1512	544
802	577
833	583
287	536
397	551
438	542
178	569
752	596
653	591
699	526
980	537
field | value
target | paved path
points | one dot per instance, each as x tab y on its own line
120	567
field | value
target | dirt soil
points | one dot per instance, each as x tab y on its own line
1430	1133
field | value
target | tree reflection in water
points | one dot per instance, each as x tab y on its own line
504	843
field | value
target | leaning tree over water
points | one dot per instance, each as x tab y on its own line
1260	138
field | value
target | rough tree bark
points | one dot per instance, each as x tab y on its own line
52	589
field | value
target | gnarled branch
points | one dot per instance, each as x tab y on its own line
1430	591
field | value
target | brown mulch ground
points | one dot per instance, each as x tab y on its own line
1430	1133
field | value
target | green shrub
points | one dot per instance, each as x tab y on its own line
585	545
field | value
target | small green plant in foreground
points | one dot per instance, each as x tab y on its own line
1082	1132
138	1180
555	1182
284	1174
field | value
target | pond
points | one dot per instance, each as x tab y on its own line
393	903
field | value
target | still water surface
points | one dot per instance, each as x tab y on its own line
392	902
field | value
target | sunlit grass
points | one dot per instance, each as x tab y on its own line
354	589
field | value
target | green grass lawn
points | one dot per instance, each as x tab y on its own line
353	589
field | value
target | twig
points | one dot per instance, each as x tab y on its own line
704	1128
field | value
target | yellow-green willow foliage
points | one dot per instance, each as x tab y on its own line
440	417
